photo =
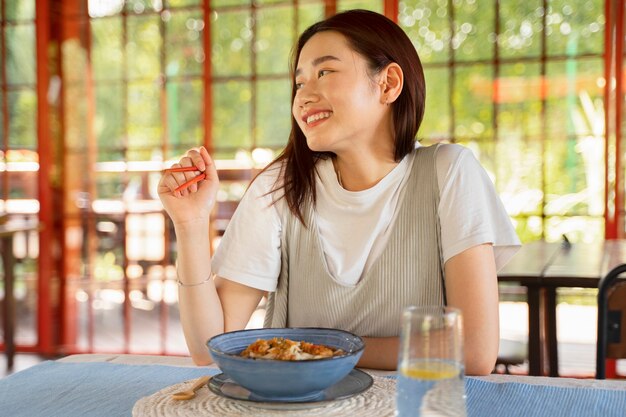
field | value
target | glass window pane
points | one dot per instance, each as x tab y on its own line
111	154
184	3
575	27
226	3
144	236
106	48
22	183
576	228
98	9
273	118
142	153
19	10
518	174
574	176
141	6
174	345
309	13
518	97
79	294
563	179
109	121
145	129
108	318
183	43
185	113
143	50
427	24
436	123
145	323
231	115
268	2
274	39
110	186
528	228
474	33
520	28
22	119
472	100
231	35
575	90
373	5
20	59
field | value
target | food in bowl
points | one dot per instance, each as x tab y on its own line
280	380
283	349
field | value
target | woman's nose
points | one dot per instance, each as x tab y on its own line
305	95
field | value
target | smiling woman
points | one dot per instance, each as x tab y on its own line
354	220
137	82
339	102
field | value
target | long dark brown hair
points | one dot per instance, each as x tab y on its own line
380	41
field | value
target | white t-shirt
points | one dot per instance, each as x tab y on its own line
354	227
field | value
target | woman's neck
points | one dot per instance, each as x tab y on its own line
361	172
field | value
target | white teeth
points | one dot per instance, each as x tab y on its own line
318	116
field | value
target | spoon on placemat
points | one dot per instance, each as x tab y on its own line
191	392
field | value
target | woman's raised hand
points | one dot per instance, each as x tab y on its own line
196	201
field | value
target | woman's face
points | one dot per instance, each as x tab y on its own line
338	105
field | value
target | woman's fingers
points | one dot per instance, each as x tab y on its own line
210	170
188	176
197	158
169	183
182	183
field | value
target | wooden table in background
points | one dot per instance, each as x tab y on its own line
542	267
7	232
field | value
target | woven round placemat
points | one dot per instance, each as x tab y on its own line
378	401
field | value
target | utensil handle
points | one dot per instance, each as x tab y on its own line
181	169
191	181
200	383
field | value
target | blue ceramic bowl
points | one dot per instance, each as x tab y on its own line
286	380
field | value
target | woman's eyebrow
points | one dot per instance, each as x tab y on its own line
318	61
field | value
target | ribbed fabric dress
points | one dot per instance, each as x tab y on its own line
409	271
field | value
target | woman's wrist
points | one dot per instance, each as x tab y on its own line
194	226
192	284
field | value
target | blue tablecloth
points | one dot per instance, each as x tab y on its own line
512	399
86	389
110	390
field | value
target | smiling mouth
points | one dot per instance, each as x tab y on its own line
317	117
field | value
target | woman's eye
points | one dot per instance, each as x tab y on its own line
298	85
321	73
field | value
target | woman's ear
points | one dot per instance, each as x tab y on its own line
391	82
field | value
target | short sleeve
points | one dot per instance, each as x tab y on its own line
470	210
249	251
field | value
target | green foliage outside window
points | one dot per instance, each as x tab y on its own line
535	125
535	121
521	86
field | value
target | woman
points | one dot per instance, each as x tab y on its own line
353	221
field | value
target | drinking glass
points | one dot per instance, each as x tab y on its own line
430	363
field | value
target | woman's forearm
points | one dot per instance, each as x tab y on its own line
201	313
380	353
